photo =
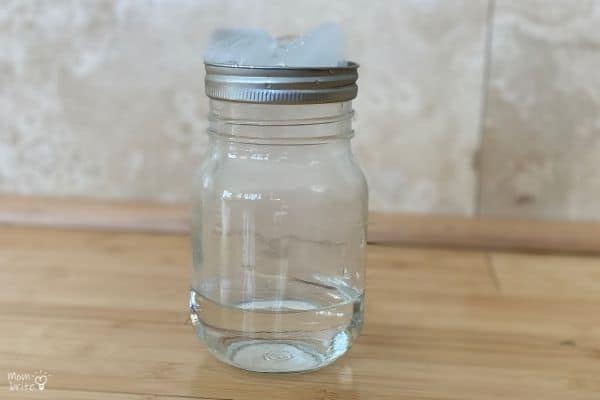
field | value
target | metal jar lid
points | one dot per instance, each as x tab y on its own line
281	85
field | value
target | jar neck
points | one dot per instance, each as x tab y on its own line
280	124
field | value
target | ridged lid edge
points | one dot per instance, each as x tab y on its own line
281	85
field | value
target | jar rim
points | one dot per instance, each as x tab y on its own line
347	65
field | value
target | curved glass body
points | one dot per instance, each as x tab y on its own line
279	236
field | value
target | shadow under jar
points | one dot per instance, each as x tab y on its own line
279	219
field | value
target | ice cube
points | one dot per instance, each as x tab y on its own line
321	47
240	47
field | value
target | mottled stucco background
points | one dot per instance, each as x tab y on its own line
465	107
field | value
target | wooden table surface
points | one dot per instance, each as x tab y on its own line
104	313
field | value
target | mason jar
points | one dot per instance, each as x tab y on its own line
279	219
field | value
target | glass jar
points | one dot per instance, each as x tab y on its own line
279	220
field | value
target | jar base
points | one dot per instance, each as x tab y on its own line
275	356
280	351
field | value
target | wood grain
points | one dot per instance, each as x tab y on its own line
485	233
93	214
105	314
436	230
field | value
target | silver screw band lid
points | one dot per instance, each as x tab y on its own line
281	85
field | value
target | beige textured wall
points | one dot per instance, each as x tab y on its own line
541	143
105	98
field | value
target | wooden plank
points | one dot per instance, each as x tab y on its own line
437	230
105	314
485	233
93	214
60	394
548	276
419	271
80	272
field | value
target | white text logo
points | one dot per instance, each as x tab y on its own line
27	381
